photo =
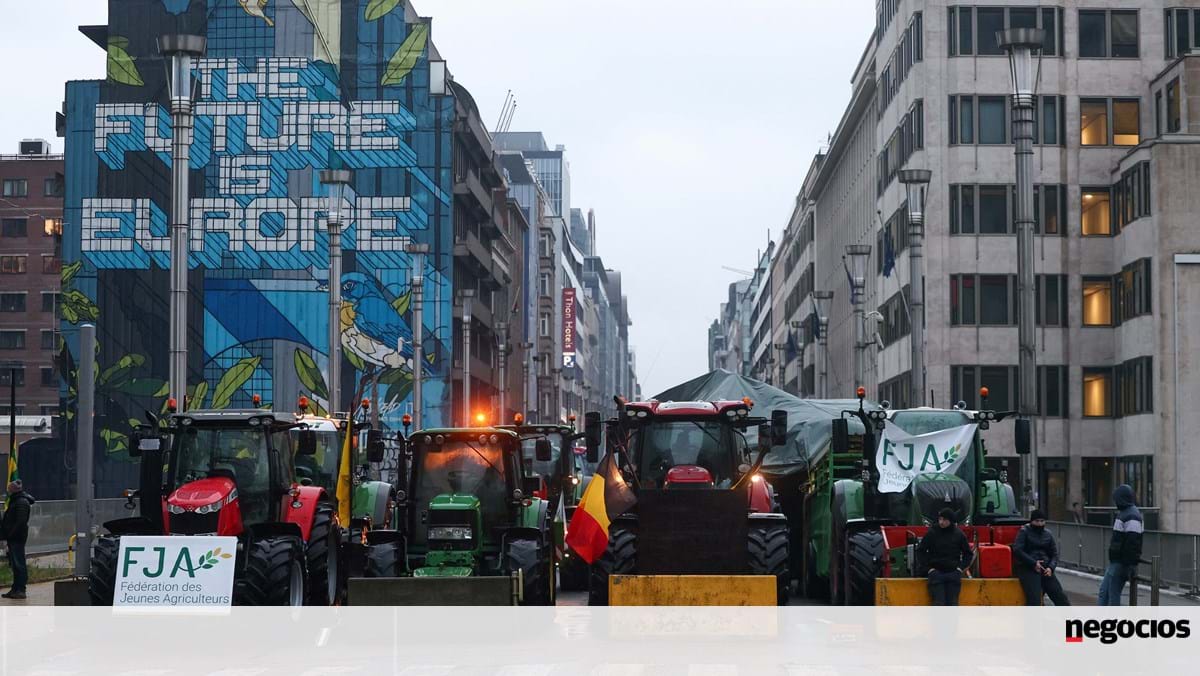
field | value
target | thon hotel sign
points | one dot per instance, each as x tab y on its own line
568	329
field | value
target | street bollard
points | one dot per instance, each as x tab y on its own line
1133	587
1155	580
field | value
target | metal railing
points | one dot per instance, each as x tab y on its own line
1085	547
52	522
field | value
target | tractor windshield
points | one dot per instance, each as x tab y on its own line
238	453
924	422
462	468
670	443
321	467
543	468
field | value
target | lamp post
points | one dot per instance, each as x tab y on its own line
526	349
336	181
858	253
179	50
796	324
502	337
556	383
1021	44
779	350
822	300
916	183
537	390
467	296
416	255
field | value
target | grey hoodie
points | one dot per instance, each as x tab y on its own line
1126	545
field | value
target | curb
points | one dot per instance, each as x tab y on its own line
1098	578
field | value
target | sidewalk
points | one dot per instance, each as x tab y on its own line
1083	589
40	594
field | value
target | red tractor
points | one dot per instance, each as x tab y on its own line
702	507
231	472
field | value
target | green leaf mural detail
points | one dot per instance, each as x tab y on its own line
310	376
354	360
121	372
69	272
120	64
77	307
400	305
196	395
145	387
378	8
114	442
232	380
405	58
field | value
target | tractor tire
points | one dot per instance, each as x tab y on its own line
768	549
322	555
864	558
536	564
573	573
620	558
274	574
815	586
385	560
102	577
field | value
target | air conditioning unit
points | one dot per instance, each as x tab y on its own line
35	146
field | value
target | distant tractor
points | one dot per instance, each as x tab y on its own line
230	472
702	507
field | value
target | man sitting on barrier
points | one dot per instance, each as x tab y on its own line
1036	555
946	554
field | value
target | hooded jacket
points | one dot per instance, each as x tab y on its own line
944	549
1126	545
1033	545
15	526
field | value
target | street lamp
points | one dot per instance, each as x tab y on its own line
779	348
916	184
858	253
822	299
416	256
179	50
1021	45
796	325
336	182
467	296
526	349
502	339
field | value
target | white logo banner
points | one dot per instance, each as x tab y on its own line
902	456
175	571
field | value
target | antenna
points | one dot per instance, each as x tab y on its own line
508	97
512	110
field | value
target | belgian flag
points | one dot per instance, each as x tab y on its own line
607	496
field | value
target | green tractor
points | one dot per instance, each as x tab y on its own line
471	531
853	533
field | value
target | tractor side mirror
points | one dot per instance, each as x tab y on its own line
765	437
779	427
1022	436
542	450
841	435
306	442
375	448
144	440
591	434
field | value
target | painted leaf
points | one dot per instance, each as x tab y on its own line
120	64
119	41
232	381
227	556
394	376
196	395
378	8
114	442
69	272
310	376
76	306
163	391
116	375
398	391
405	58
355	360
144	387
400	305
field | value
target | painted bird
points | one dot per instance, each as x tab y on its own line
371	327
256	8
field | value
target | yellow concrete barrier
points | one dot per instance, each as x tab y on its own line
691	590
914	591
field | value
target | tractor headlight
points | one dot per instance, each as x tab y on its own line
174	509
209	508
450	533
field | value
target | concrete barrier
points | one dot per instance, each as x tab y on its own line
914	591
692	590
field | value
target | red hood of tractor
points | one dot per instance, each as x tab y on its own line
688	474
201	492
689	409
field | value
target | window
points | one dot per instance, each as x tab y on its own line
48	377
992	129
1138	472
972	27
547	246
48	409
962	300
51	264
895	391
1098	482
16	187
1052	391
1131	195
1182	30
48	339
989	209
544	284
1051	294
1158	113
986	114
984	300
1093	122
5	409
1050	209
12	265
1095	116
1001	381
1050	121
12	340
12	302
1135	385
1173	114
908	52
895	324
908	137
1131	291
1097	392
993	210
49	301
14	227
1097	301
1095	212
53	187
544	325
1108	34
1126	130
12	376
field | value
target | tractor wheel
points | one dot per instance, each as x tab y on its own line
864	563
102	578
768	548
536	564
573	573
274	574
322	556
620	558
385	560
815	587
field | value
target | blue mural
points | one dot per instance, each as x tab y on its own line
285	89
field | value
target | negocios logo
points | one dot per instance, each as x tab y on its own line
1110	631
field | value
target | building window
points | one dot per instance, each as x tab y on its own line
49	409
1158	113
16	187
1051	294
1050	120
1050	209
1135	386
895	323
47	377
977	26
1097	392
895	391
1182	30
544	284
1108	34
1138	472
48	339
12	265
547	246
962	300
1131	291
544	325
1095	212
1098	482
49	301
1104	119
1126	129
1093	122
984	300
1131	195
14	227
908	52
53	187
1052	391
1001	381
12	301
978	119
12	340
907	138
1097	301
1173	113
51	264
12	376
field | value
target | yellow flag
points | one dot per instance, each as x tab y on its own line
343	481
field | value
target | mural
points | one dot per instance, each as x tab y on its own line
286	88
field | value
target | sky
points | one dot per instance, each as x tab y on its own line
688	124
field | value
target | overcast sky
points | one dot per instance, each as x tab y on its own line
689	124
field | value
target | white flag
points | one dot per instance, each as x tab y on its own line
902	456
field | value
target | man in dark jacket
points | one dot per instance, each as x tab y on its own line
1125	550
15	529
1036	556
945	553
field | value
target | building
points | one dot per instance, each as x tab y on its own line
1115	253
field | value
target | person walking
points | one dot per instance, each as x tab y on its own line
1125	549
14	528
1036	555
945	553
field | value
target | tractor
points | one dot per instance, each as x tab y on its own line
702	508
549	453
468	513
230	472
854	534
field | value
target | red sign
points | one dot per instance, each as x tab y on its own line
568	331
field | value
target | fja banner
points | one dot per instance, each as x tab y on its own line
902	456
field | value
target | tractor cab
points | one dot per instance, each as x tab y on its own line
548	453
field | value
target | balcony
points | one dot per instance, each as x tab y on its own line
467	245
469	188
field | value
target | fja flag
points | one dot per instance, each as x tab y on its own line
607	497
344	489
902	456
